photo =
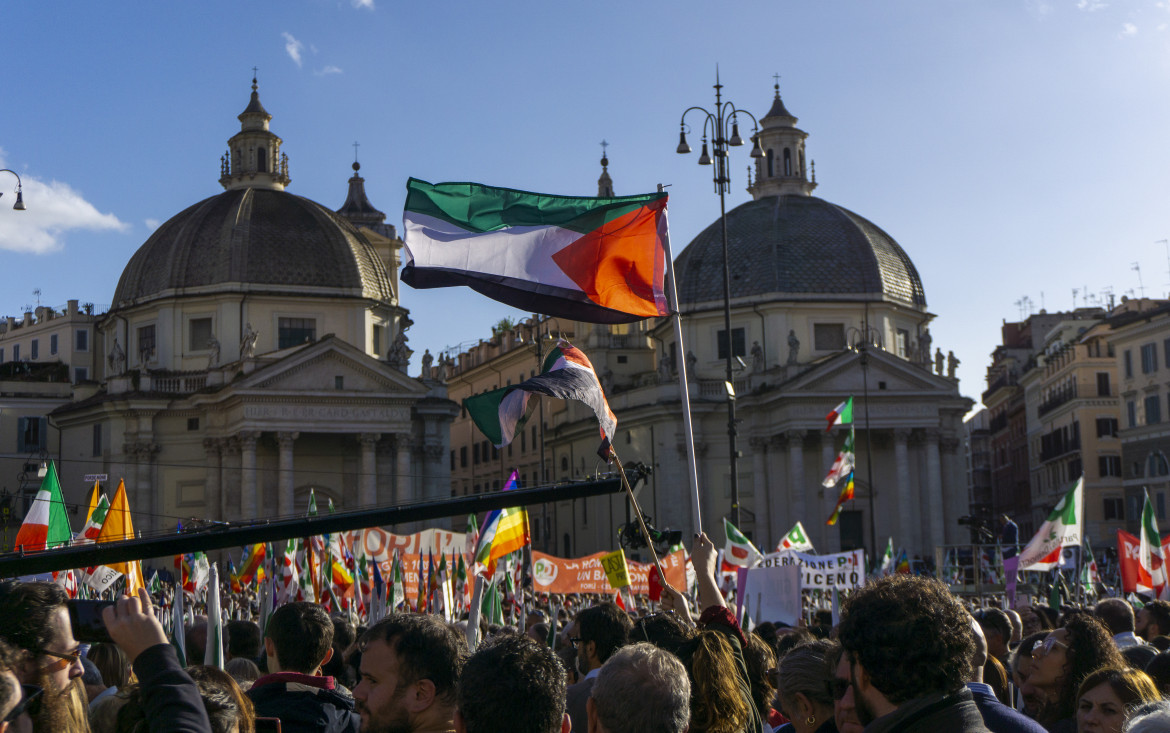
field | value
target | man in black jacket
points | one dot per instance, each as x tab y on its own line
298	641
909	646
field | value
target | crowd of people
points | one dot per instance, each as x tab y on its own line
904	655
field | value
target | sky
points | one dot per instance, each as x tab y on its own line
1016	149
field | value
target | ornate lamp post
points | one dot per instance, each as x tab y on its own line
860	340
19	205
715	125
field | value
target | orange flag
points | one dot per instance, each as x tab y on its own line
118	526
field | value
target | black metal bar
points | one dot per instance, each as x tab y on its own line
238	534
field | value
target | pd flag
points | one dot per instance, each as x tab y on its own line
1061	529
599	260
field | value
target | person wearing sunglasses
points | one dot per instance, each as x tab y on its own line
1061	663
36	625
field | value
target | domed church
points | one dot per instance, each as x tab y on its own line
811	283
256	347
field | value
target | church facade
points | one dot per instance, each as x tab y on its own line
824	305
255	348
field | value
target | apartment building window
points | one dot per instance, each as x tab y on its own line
523	441
1	355
1128	364
1114	508
31	434
1108	466
16	352
463	456
198	334
1106	427
97	440
452	459
52	344
146	342
295	331
34	351
475	454
1131	414
1102	384
80	374
81	340
1153	405
829	336
738	343
1166	350
1149	358
1156	465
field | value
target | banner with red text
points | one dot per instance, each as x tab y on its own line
553	574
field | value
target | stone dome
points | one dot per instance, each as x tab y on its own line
797	246
254	240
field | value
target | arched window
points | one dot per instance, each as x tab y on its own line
262	160
1157	464
770	156
787	162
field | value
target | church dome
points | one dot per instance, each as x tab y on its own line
254	240
797	246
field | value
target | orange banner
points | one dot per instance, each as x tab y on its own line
553	574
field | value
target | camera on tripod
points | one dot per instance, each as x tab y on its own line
631	538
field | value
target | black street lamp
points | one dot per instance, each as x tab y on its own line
19	205
860	340
715	125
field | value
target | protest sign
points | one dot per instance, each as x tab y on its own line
823	572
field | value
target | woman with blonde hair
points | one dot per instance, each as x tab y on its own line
804	687
1107	695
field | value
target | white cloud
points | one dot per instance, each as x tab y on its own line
293	47
1091	5
152	224
1039	8
1161	27
327	70
367	4
52	209
1128	29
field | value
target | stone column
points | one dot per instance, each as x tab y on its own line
285	483
780	492
765	532
248	474
402	469
230	452
796	487
906	526
955	499
934	488
368	483
145	494
214	481
828	455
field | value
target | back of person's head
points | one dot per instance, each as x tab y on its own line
10	690
302	634
792	638
1159	612
760	660
103	717
1152	717
1158	669
228	708
1161	642
1139	656
717	703
426	648
910	634
195	642
244	640
28	611
995	621
243	671
995	677
806	670
1116	614
511	684
92	675
1132	686
642	689
606	625
664	630
344	631
112	662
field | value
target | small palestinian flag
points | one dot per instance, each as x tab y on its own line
598	260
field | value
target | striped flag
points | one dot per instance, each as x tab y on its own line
46	524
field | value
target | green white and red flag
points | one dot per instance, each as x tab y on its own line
1151	558
1061	529
796	539
46	525
842	414
598	260
739	550
93	523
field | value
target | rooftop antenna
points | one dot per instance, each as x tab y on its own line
1020	306
37	292
1107	295
1041	300
1075	291
1138	269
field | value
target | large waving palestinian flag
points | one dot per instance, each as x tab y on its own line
599	260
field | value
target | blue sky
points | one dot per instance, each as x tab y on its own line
1014	148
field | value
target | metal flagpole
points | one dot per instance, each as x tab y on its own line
681	362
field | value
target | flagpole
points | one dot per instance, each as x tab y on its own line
683	387
638	513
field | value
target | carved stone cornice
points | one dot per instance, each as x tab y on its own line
248	439
286	439
230	446
433	452
369	440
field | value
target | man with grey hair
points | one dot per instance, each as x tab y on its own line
640	689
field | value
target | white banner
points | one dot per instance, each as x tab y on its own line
772	593
823	572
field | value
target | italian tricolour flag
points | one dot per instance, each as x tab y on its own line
46	524
1151	556
842	414
600	260
739	550
1061	529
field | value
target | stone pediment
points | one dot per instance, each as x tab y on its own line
318	367
842	374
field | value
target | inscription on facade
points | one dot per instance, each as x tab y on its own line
326	412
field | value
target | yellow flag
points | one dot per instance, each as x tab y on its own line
94	497
118	526
616	571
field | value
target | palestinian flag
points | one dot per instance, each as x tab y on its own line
46	524
598	260
796	539
739	550
1061	529
566	374
842	414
